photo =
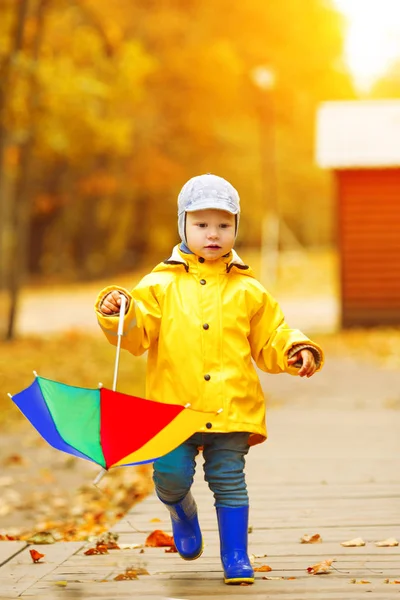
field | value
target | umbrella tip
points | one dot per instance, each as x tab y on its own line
35	373
219	411
100	385
187	405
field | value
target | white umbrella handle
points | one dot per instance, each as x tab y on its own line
119	333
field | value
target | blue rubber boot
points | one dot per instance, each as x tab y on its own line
185	527
233	524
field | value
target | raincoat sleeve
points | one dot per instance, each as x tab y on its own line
142	319
273	342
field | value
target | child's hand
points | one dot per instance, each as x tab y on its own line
308	366
111	303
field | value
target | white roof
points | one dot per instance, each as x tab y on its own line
358	133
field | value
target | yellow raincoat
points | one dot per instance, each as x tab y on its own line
202	323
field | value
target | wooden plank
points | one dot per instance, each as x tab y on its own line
199	587
9	549
17	575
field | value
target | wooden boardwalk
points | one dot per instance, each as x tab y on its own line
335	473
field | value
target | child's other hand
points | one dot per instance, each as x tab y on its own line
111	303
308	366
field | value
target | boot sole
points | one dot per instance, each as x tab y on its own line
238	580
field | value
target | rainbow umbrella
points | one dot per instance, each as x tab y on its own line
105	426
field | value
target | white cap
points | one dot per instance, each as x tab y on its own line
203	192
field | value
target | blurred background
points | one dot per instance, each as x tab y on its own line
108	107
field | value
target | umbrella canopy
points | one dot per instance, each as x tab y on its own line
104	426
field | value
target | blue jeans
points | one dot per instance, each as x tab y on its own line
223	468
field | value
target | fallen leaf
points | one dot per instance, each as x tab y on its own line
394	581
13	460
321	568
61	583
171	550
254	557
99	549
127	575
387	543
158	539
35	555
8	538
42	537
109	539
353	543
311	539
263	569
362	581
112	546
130	546
140	571
155	520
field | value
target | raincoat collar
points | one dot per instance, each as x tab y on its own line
189	261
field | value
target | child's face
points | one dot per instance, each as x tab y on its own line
210	233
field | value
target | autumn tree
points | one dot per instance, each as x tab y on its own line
143	96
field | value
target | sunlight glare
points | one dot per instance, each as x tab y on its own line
373	37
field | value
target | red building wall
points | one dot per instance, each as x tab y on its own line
369	232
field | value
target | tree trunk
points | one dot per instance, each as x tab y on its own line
20	202
21	12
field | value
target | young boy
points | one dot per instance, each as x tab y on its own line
204	319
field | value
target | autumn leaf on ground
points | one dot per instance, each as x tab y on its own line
268	578
253	557
155	520
42	537
390	542
321	568
109	539
13	460
127	575
99	549
353	543
158	539
131	573
140	570
311	539
171	550
35	555
394	581
263	569
359	581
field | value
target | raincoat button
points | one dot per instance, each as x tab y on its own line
201	259
208	425
206	326
203	281
207	377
